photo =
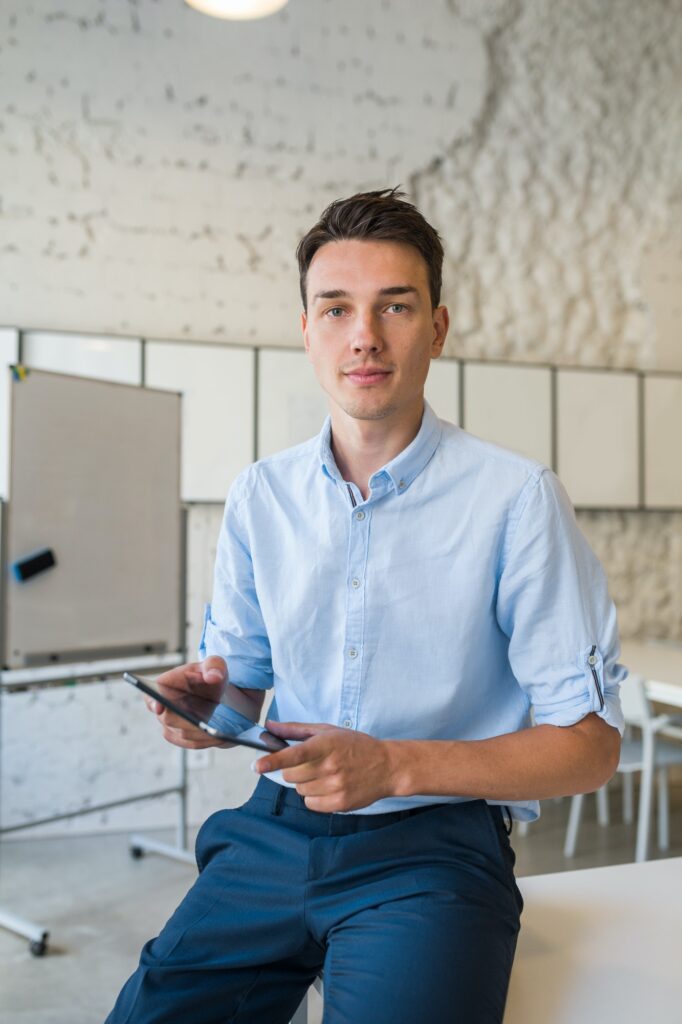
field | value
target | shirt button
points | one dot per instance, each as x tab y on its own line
360	515
401	484
352	653
355	583
347	723
592	660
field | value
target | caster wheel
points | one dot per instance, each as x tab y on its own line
136	852
38	947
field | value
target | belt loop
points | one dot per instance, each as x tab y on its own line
509	819
279	800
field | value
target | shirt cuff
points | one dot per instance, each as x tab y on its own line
568	714
241	669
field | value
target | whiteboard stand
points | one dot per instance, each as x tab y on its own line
35	933
139	844
50	675
18	679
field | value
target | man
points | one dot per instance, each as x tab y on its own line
410	592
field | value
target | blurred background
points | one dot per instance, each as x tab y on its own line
157	168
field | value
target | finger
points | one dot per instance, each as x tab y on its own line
318	788
290	756
177	678
330	804
188	740
213	669
297	730
307	772
170	720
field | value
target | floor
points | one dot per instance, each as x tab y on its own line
100	906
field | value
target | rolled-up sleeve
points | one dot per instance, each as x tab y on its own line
233	622
554	606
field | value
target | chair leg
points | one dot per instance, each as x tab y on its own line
573	825
663	818
645	793
603	805
628	803
301	1015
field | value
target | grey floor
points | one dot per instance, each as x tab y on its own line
101	906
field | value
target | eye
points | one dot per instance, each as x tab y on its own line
397	307
335	312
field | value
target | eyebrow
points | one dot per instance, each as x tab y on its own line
339	293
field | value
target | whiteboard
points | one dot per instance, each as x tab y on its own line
597	437
217	384
663	442
94	475
98	356
510	406
291	404
9	353
442	389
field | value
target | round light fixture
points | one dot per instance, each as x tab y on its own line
237	10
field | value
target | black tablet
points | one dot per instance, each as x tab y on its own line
217	720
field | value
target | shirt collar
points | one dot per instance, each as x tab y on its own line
404	468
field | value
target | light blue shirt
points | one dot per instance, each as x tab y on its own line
457	597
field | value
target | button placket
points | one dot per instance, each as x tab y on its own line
355	611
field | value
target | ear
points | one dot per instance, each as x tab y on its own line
441	322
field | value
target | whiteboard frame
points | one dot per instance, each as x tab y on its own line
136	648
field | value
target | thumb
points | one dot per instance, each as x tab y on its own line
214	669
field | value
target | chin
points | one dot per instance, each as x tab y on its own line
362	411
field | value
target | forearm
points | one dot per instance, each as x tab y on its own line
532	764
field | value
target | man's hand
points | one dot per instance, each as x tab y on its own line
206	679
334	769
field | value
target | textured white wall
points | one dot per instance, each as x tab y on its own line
157	168
558	208
159	177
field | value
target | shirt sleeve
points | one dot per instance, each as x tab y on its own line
233	622
553	604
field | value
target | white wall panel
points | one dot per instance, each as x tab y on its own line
442	389
217	384
99	356
291	404
663	442
9	353
203	528
597	437
510	406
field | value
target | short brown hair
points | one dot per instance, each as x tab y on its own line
383	215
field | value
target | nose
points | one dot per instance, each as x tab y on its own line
367	335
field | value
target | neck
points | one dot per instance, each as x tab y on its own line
361	447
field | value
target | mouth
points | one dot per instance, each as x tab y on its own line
367	376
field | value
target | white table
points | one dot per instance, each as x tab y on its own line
599	946
660	664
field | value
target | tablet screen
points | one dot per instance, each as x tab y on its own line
218	720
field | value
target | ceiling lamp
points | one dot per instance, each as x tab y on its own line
237	10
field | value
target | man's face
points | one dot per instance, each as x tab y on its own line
370	330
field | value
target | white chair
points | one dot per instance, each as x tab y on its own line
644	752
301	1015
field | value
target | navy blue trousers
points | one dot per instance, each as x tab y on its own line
412	916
